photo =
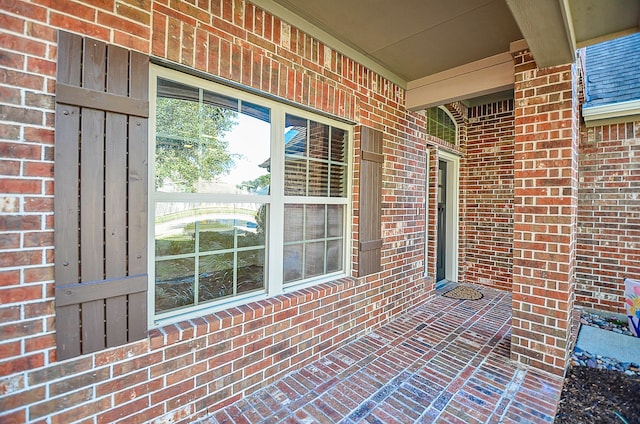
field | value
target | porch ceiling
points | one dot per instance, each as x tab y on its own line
417	39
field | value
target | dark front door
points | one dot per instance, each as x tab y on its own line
442	221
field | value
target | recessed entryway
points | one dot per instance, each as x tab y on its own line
447	216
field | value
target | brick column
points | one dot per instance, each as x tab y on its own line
545	213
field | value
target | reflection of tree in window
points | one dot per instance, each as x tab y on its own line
190	124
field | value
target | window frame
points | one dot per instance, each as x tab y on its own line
276	199
451	117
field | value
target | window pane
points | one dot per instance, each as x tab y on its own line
292	263
204	145
293	223
295	136
175	280
251	228
318	178
315	159
318	140
250	270
335	220
295	176
216	234
338	145
334	255
216	276
219	100
315	222
440	124
175	229
314	259
226	251
224	226
338	181
256	111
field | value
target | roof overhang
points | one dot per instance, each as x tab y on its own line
444	51
554	29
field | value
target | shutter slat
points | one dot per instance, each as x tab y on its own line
68	342
79	293
93	326
66	194
137	178
91	196
94	65
370	211
137	315
69	69
116	168
138	187
115	199
102	303
116	311
78	96
66	173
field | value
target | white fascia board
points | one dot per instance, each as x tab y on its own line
613	110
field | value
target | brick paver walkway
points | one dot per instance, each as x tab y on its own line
446	361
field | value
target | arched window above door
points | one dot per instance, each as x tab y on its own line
441	124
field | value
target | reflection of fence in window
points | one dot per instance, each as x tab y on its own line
209	252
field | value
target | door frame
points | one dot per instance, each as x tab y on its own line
452	214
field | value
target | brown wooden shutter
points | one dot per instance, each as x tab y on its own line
100	195
370	211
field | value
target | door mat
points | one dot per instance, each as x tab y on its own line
464	293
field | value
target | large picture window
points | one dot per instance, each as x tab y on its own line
250	196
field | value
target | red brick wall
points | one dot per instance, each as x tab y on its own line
545	213
186	370
608	219
488	188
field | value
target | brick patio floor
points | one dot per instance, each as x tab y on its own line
445	361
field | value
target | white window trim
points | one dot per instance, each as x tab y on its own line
426	212
276	200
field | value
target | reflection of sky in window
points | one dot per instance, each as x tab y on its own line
249	140
294	144
289	134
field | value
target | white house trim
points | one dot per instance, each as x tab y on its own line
594	114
